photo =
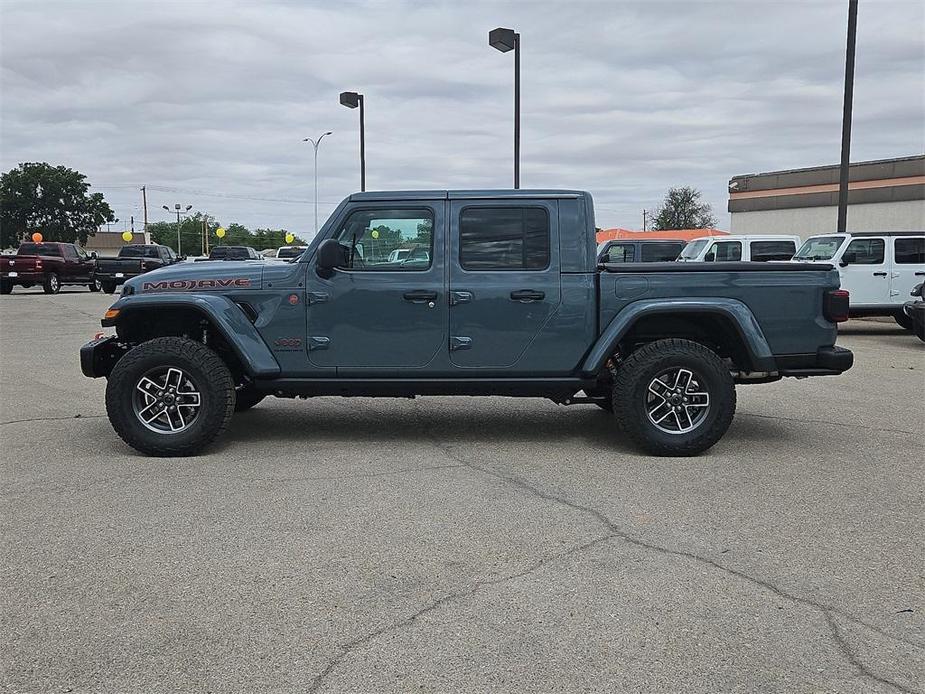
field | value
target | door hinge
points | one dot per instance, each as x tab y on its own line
459	342
460	298
894	292
316	297
317	342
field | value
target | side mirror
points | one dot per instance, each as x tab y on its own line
709	257
848	259
331	255
93	254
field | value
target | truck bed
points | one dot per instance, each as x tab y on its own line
785	298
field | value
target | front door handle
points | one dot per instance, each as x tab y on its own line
920	274
527	295
420	297
879	274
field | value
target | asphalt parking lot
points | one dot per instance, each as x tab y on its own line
460	544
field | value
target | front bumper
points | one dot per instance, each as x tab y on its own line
827	361
98	357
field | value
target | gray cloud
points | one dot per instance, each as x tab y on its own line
209	101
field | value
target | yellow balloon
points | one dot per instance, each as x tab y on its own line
290	238
375	233
220	232
126	236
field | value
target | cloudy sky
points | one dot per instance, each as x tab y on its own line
206	103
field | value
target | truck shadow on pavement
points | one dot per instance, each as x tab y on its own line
456	424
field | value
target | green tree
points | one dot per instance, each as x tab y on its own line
682	209
53	200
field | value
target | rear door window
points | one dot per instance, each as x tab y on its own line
909	251
504	238
660	252
763	251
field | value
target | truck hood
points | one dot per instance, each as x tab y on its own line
205	276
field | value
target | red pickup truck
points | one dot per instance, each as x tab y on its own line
49	264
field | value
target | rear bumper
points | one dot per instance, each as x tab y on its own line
99	356
827	361
30	277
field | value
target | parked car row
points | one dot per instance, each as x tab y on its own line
53	265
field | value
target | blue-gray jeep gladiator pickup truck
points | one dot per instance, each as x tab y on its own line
462	293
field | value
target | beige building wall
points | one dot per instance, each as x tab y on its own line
906	215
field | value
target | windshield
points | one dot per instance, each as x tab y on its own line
290	252
138	252
692	250
819	248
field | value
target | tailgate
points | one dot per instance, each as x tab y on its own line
112	266
18	263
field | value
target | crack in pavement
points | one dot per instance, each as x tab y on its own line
826	610
350	646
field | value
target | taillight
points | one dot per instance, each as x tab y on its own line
835	306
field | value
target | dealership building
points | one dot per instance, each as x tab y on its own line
883	195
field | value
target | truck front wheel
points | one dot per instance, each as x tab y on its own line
51	285
674	397
170	397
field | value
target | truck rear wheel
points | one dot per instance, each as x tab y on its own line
94	286
170	397
6	287
674	397
51	285
109	287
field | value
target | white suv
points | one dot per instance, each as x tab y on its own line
756	249
878	269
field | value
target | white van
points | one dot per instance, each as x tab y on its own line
756	249
878	269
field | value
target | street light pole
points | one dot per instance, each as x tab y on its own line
354	100
505	40
315	145
177	207
846	117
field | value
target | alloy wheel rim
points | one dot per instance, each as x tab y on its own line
677	401
54	282
166	400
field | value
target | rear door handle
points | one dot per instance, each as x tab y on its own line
420	296
879	274
526	295
920	274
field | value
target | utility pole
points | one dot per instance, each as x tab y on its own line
144	201
132	221
846	117
644	227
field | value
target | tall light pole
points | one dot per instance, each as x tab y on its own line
315	144
177	209
505	40
846	116
353	100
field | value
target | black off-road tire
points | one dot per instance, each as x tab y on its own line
631	385
52	283
109	287
904	321
207	371
6	287
95	286
246	398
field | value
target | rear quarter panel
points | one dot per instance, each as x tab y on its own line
787	305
